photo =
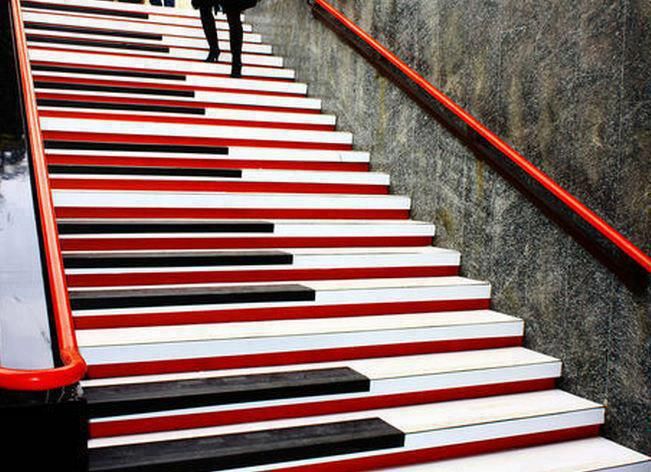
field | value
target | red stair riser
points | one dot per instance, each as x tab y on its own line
299	410
171	103
216	186
126	244
225	213
187	141
273	313
184	120
401	459
203	163
269	275
297	357
155	85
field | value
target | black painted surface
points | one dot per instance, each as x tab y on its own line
249	449
104	72
35	38
100	146
44	435
43	102
185	259
92	299
135	226
43	84
80	9
140	398
163	171
96	31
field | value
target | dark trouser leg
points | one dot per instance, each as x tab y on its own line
210	30
236	35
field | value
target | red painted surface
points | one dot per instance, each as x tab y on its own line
260	275
401	459
199	163
225	213
77	136
296	357
171	103
276	313
306	409
177	119
74	366
538	175
109	183
156	85
127	244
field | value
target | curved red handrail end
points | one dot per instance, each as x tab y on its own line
72	371
570	200
74	366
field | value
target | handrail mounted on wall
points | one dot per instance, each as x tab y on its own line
608	245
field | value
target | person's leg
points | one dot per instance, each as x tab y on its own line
156	3
169	3
236	35
210	30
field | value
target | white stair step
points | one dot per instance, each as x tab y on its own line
125	34
388	376
337	292
192	80
81	125
223	98
585	455
155	25
174	53
447	254
473	320
281	230
250	175
259	117
234	153
45	54
383	368
118	199
304	261
177	12
90	33
430	425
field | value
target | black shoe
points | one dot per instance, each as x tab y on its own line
236	71
213	56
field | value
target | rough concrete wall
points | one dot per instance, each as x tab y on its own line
567	84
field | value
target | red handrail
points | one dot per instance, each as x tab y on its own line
74	366
570	200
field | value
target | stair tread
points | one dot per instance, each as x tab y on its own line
252	448
125	298
586	455
374	369
285	328
452	415
234	261
139	398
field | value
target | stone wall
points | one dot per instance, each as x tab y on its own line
567	84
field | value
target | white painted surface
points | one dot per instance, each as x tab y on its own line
123	199
587	455
150	63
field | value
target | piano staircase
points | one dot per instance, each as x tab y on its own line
247	294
